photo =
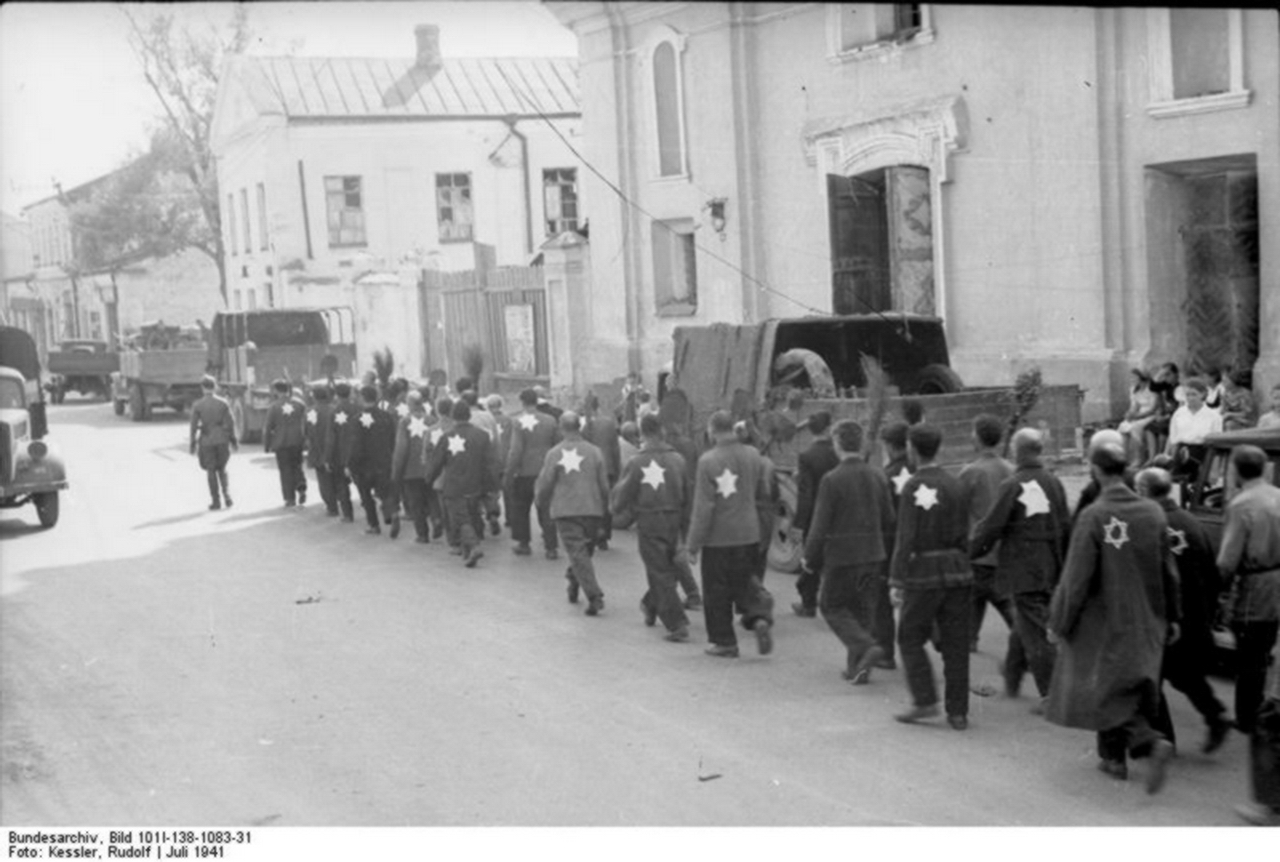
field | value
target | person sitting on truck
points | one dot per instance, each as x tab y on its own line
213	435
1144	408
1271	419
1190	424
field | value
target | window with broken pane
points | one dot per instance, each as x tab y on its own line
453	207
560	199
344	205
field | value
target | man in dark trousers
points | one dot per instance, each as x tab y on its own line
1249	561
981	480
602	432
1112	613
574	489
897	469
373	442
464	457
1186	662
408	466
729	484
848	542
656	488
213	436
813	463
284	435
933	581
1032	523
442	425
672	415
339	449
533	433
318	432
1264	754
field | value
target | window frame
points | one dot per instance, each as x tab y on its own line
264	236
453	205
335	238
837	53
667	36
244	214
548	182
231	224
1161	101
666	303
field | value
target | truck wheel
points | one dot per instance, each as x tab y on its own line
118	404
47	508
137	403
937	380
785	551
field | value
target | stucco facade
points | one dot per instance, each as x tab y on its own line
1033	137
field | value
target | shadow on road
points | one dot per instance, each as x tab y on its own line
12	528
175	519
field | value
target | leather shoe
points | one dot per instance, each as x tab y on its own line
215	506
958	722
917	713
1161	754
522	550
473	556
594	607
1258	814
373	531
693	602
1218	731
650	615
764	639
803	610
679	636
1115	768
722	651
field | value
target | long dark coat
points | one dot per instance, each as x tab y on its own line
1112	609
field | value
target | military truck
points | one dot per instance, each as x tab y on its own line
751	369
81	365
31	471
161	366
249	349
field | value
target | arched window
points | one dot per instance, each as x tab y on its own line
668	103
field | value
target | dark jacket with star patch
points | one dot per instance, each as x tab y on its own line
318	434
581	492
725	520
407	461
529	446
654	507
372	446
1032	547
853	518
469	471
344	418
931	546
284	430
1198	583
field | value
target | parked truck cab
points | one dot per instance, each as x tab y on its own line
31	471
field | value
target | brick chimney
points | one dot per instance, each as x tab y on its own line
428	36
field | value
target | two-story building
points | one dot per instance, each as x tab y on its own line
338	172
1081	189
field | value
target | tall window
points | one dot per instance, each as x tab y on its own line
263	239
560	199
244	214
667	98
453	207
1196	61
859	26
231	224
1201	58
344	204
675	267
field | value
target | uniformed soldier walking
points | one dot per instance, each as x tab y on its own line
729	484
464	458
213	436
574	488
656	488
373	443
284	436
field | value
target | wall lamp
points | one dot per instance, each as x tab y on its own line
716	207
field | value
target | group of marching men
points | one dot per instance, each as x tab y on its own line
1102	608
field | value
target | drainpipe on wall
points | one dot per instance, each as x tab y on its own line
511	121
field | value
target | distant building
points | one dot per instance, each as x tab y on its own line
336	169
1082	189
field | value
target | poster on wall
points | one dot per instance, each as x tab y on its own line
520	344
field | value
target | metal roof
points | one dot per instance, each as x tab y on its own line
340	87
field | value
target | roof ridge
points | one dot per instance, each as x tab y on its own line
367	59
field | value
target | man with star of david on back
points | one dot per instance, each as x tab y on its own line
932	582
338	451
319	430
464	458
533	433
373	441
408	470
1114	610
573	487
284	435
1031	521
655	487
730	483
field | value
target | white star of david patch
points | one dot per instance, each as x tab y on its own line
287	409
570	460
366	419
1178	541
727	483
340	419
312	417
1117	532
528	421
402	410
1033	499
417	426
926	498
654	475
900	480
457	445
436	434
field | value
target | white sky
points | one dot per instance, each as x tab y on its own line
73	105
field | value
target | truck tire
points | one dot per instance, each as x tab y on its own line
785	552
118	405
46	508
937	380
137	403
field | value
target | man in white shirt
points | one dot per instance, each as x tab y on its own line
1193	421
